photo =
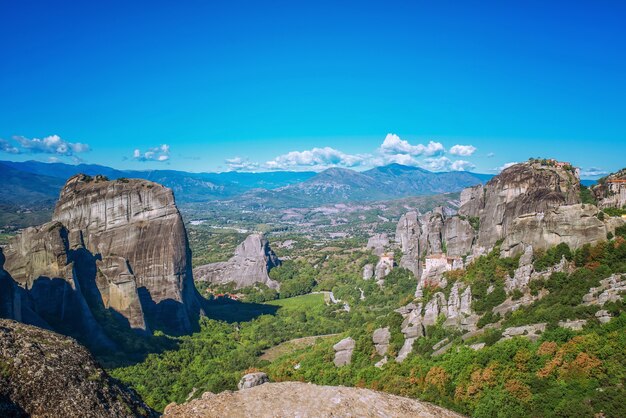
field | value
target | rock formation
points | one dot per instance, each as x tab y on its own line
378	243
381	338
117	246
531	187
574	225
251	380
250	265
368	271
297	399
611	190
343	351
45	374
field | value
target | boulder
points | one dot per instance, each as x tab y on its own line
532	332
251	380
343	351
381	338
575	325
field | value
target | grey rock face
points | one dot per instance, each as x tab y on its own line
251	264
532	332
603	316
251	380
574	225
381	338
343	351
368	271
118	245
297	399
378	243
518	190
610	290
575	325
408	234
611	190
47	374
459	236
472	201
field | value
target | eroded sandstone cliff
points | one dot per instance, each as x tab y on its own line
250	265
534	186
114	249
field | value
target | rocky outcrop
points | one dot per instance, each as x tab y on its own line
610	290
532	187
112	246
611	190
408	233
343	351
250	265
574	225
378	243
575	325
458	235
45	374
251	380
456	309
297	399
381	338
435	232
532	332
368	271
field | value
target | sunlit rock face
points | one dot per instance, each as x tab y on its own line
118	246
520	189
138	221
251	263
574	225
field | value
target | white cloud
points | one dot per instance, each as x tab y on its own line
462	165
316	158
394	145
463	150
490	155
504	166
159	154
54	160
52	144
593	172
436	164
238	163
6	146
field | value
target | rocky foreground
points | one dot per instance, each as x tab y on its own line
296	399
45	374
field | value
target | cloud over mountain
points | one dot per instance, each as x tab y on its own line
159	154
52	144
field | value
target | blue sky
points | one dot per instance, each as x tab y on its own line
206	86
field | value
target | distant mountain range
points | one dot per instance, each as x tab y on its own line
33	182
381	183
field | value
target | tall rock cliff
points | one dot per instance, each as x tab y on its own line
112	246
434	232
611	190
251	264
534	186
